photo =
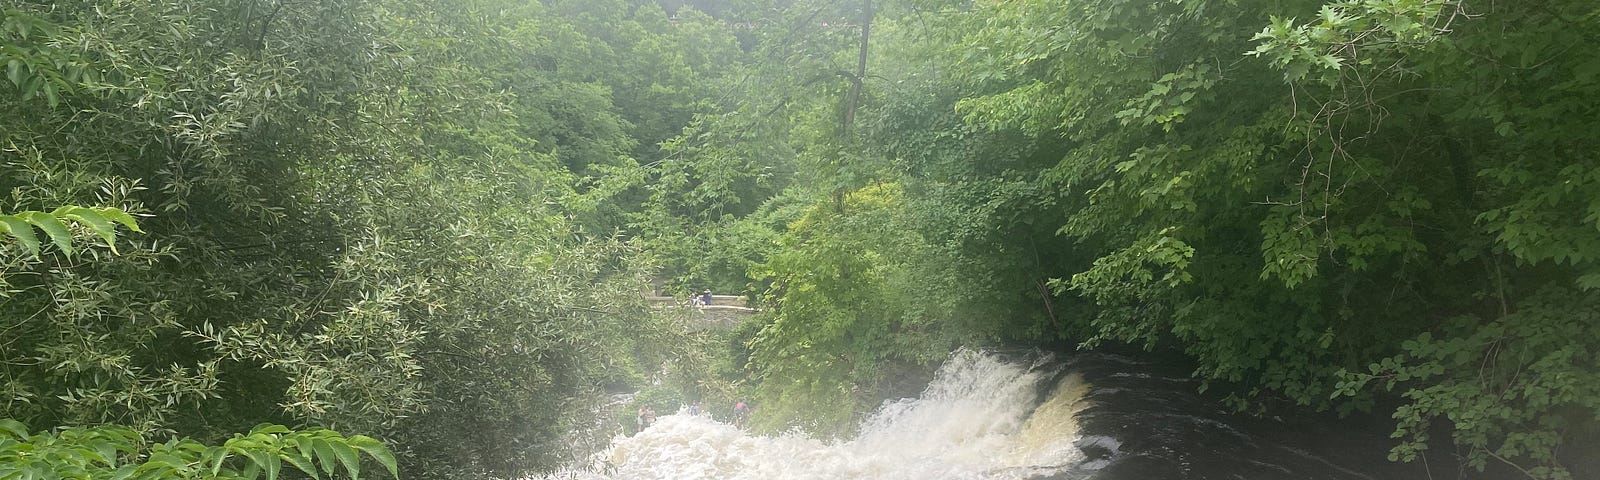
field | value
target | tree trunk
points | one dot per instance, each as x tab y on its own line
861	68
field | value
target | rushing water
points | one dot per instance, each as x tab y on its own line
985	416
973	422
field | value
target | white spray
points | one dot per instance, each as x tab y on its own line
980	418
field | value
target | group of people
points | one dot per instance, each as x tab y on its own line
701	299
647	417
741	414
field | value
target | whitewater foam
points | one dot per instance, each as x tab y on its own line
980	418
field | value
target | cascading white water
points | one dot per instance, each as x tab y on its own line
980	418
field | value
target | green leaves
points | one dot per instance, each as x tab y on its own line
73	453
33	63
376	450
1169	98
99	220
51	225
1509	386
19	229
352	463
1291	247
844	308
96	220
119	453
1363	32
15	428
311	451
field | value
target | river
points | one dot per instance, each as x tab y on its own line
1019	416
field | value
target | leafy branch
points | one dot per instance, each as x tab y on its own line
120	453
101	221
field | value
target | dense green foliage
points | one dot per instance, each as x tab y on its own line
430	221
404	219
1326	204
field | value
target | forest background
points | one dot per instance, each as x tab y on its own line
431	222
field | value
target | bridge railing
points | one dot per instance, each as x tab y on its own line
718	303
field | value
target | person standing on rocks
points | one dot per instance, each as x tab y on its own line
741	414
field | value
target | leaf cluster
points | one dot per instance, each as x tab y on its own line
120	453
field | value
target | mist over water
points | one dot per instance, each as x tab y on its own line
980	418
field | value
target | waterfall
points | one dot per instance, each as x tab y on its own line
980	418
996	417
